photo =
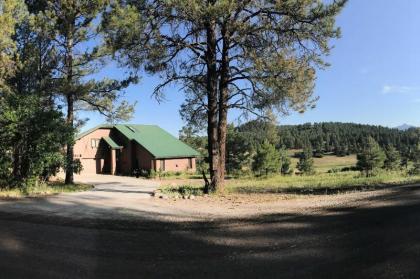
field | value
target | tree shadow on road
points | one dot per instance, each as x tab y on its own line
381	240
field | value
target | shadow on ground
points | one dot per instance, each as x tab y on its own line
379	241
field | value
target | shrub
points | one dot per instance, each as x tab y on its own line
152	173
334	170
352	168
142	172
77	166
318	154
184	190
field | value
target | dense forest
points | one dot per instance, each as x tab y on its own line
328	137
344	138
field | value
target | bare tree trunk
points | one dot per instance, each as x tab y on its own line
223	109
70	107
212	106
222	132
70	149
17	163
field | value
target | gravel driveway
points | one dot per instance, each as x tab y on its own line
111	197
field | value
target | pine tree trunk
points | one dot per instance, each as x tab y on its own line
70	107
17	163
222	132
211	88
70	149
223	109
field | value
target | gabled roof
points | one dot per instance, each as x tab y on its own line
87	132
157	141
154	139
112	143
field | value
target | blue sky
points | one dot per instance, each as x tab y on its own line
374	76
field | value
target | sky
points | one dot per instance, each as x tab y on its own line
374	77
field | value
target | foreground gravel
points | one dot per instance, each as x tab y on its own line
355	235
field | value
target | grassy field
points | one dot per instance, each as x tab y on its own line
42	190
321	165
312	184
327	163
320	182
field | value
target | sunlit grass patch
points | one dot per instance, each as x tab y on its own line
42	189
321	182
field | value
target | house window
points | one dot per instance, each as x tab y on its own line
162	165
94	143
190	163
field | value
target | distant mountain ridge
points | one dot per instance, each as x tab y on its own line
404	127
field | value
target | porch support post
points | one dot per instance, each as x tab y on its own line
113	161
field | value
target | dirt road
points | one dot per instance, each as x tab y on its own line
355	236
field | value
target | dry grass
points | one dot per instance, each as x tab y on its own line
43	189
318	183
328	162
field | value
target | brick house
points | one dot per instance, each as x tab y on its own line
123	148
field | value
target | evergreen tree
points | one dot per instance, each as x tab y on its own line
32	129
393	158
415	170
190	135
306	161
33	136
371	158
70	24
239	151
285	161
12	13
227	54
266	160
123	112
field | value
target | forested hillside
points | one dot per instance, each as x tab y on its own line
331	138
342	138
335	137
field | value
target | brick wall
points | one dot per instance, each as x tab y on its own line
177	164
88	155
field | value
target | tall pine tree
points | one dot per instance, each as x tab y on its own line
227	54
80	53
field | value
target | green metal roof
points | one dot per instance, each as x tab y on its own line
154	139
112	143
157	141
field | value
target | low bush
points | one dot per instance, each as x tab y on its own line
352	168
183	190
334	170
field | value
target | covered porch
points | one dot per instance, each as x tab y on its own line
109	162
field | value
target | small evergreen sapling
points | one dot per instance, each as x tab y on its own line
267	159
393	158
285	161
371	158
306	161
